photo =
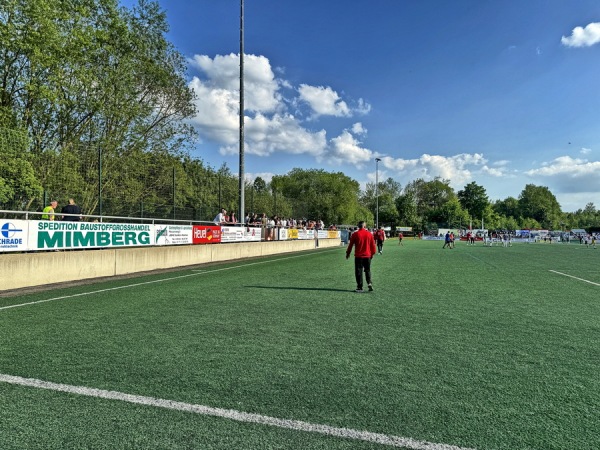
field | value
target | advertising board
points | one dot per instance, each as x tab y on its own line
173	234
13	235
206	234
46	234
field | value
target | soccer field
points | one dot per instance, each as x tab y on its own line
470	348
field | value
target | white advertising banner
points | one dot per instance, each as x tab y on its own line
13	235
55	235
306	234
232	234
35	235
283	234
252	234
173	234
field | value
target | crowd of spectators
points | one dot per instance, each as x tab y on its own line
262	220
283	222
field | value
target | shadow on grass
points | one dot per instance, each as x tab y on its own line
292	288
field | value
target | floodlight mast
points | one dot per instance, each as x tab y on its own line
377	192
242	186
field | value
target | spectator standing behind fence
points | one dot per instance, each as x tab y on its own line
71	208
220	218
364	249
49	210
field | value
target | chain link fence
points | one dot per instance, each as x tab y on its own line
124	183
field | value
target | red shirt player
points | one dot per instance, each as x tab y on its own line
380	237
364	249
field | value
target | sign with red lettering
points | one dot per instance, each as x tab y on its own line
206	234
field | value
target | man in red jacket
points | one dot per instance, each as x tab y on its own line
364	249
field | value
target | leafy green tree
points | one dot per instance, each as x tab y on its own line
406	206
383	196
456	215
430	204
530	224
511	224
314	194
259	185
474	199
508	207
92	76
17	178
538	203
281	206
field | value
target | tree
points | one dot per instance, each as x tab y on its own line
384	195
474	200
508	207
259	185
92	76
316	194
455	214
538	203
406	206
17	178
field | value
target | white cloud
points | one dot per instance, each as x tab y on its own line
279	133
260	86
270	127
571	202
585	151
345	148
266	176
217	112
494	172
363	107
569	175
583	37
324	101
459	169
358	128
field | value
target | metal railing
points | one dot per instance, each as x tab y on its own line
35	215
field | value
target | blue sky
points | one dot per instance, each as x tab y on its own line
503	93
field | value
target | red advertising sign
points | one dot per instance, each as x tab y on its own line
206	234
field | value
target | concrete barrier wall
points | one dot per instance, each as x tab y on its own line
35	269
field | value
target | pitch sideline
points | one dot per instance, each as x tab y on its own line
576	278
232	414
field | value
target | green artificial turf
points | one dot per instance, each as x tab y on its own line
474	346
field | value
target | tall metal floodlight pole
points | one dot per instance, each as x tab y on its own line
100	182
377	192
241	214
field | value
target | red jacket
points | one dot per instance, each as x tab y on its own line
363	242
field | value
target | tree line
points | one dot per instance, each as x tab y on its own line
94	104
427	205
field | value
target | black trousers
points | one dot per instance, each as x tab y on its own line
379	246
361	264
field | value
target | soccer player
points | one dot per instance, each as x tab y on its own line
364	249
447	241
380	237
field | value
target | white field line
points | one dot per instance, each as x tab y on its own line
487	263
232	414
576	278
154	281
